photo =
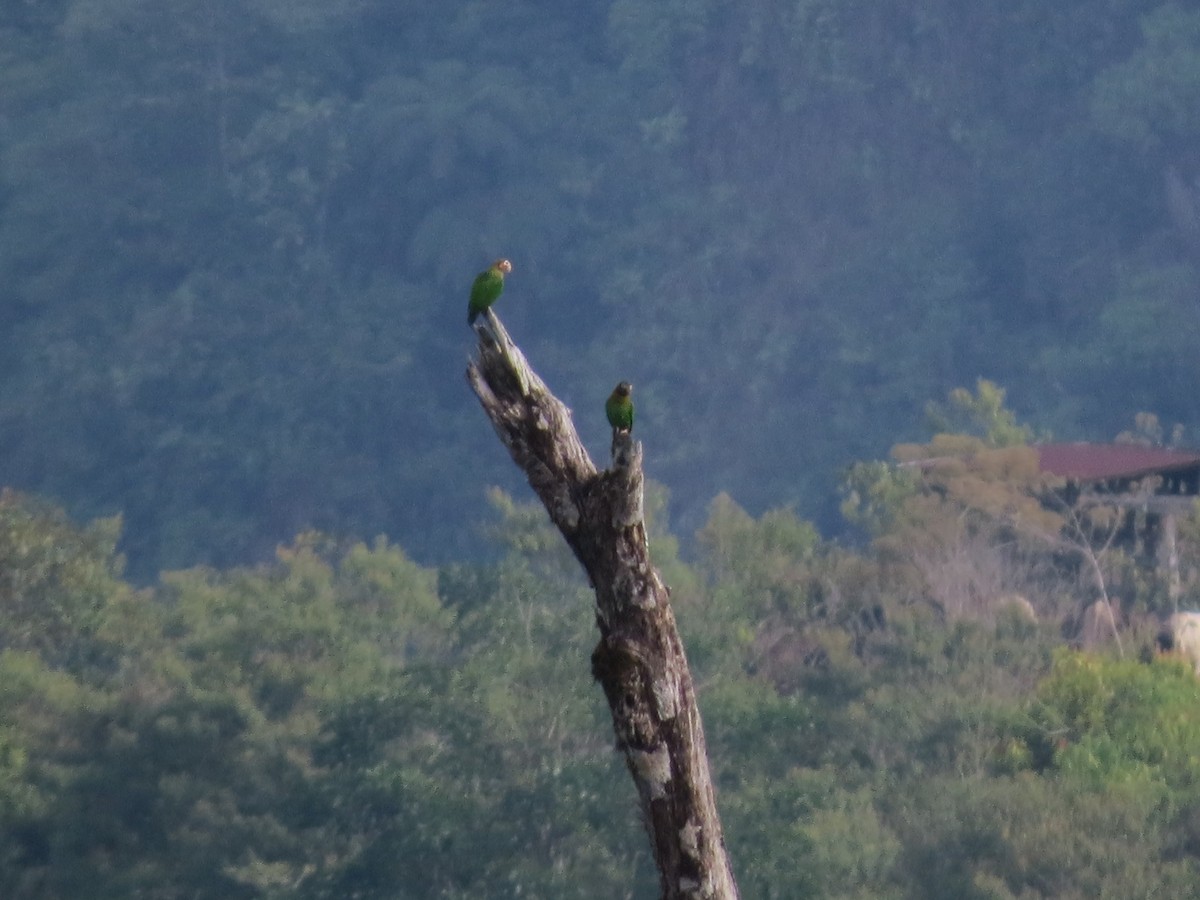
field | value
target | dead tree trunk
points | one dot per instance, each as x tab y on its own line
639	660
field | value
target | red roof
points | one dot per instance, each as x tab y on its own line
1111	460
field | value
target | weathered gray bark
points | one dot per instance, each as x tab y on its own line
639	660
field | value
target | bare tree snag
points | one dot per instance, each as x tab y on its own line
639	660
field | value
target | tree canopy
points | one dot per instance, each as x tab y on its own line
237	240
343	721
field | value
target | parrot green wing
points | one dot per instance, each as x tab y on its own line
619	409
487	288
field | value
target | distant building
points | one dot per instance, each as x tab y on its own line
1158	482
1117	468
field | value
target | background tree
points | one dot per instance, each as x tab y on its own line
344	721
228	233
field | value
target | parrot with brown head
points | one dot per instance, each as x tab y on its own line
487	288
619	409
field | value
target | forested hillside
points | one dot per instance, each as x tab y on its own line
914	721
236	239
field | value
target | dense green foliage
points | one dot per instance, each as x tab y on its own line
343	722
236	239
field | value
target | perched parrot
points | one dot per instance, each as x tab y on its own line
488	286
619	409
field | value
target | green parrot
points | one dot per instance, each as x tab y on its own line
488	286
619	409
